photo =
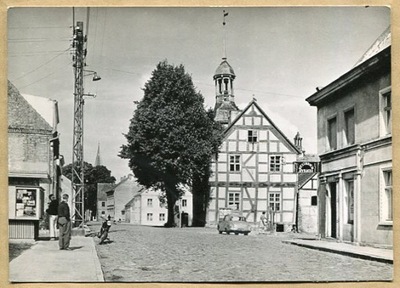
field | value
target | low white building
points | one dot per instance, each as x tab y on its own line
145	208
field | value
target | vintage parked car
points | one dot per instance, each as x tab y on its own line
235	224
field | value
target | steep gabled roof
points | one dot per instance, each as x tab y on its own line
21	115
303	178
381	43
253	102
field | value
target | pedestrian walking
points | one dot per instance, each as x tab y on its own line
64	224
263	221
52	211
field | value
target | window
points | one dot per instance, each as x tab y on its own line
234	163
234	199
349	201
103	212
275	163
149	202
252	136
162	217
314	200
149	216
332	134
349	127
386	111
184	202
274	200
386	209
103	204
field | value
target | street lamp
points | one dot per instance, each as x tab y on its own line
96	77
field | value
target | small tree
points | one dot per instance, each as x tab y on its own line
169	134
92	176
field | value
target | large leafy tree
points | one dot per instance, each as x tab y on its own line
170	138
92	176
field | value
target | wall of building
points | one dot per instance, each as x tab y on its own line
364	96
123	193
254	183
308	213
372	229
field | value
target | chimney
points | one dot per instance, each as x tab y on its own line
297	142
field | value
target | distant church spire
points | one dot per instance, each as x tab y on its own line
98	158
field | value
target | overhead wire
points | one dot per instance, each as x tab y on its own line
55	71
43	64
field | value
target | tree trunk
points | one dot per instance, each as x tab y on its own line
201	195
171	199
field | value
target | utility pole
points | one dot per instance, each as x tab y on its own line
78	181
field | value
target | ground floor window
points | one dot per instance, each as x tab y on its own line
162	217
149	216
234	199
274	201
386	205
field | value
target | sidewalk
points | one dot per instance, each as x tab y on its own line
364	252
44	262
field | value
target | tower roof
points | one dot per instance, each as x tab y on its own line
224	69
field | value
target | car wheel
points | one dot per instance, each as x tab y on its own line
220	232
246	234
236	233
227	232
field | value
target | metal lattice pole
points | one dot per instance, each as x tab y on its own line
77	154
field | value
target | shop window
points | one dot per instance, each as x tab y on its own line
252	136
314	200
234	163
275	163
274	201
386	205
332	134
149	216
26	202
234	199
349	129
386	111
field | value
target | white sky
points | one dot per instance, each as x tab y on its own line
279	55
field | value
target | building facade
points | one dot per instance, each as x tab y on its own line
118	195
145	208
254	170
355	148
33	161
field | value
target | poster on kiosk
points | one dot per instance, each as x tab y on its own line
26	203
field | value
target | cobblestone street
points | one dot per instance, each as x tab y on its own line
150	254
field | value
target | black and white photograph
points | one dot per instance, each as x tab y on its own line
213	144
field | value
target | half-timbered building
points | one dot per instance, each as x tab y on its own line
254	170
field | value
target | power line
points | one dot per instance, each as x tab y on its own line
45	76
40	66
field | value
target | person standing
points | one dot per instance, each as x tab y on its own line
52	211
64	224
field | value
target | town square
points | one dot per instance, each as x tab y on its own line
200	144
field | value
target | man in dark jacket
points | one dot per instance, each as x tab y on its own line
64	224
52	211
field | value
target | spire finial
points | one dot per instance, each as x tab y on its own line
224	13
